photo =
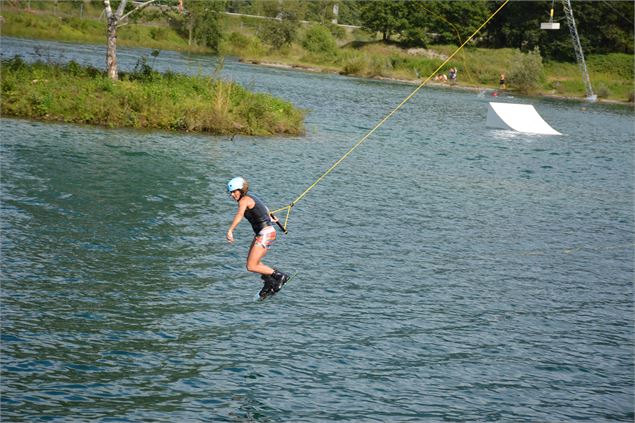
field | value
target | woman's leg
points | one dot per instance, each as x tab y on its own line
254	263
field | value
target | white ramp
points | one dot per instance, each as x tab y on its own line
519	117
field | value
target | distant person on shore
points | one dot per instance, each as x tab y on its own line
441	78
501	82
452	75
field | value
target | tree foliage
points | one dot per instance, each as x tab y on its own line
385	16
603	27
318	39
526	71
278	33
418	21
201	19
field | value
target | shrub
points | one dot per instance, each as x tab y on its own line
615	64
379	66
353	64
318	39
144	98
74	68
239	40
277	33
397	62
141	72
15	64
603	91
237	44
416	37
336	31
158	33
526	71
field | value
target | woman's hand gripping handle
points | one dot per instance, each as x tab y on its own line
277	221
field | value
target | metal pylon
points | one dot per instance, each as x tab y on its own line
578	50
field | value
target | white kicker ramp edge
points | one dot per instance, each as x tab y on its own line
519	117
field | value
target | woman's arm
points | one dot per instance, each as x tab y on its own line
242	206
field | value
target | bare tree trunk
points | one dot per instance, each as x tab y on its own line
111	51
112	19
115	19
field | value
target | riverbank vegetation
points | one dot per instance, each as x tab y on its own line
91	30
385	39
401	52
142	98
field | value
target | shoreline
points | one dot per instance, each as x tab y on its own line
315	69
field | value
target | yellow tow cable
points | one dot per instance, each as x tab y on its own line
381	122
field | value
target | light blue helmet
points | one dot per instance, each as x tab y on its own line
236	183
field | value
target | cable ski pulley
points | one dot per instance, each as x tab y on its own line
551	24
288	207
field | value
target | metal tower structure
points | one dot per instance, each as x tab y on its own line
577	47
579	55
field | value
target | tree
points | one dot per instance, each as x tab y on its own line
318	39
526	70
320	11
278	33
349	12
455	21
420	20
281	31
115	20
385	16
604	27
201	21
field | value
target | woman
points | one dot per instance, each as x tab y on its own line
254	210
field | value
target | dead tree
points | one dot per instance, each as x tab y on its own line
115	20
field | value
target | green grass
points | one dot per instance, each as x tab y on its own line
143	99
612	75
75	29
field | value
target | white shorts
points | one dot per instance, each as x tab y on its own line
265	237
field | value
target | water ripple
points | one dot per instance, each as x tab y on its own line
446	271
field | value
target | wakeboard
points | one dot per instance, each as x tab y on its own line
257	297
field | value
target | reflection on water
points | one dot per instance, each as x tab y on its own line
446	271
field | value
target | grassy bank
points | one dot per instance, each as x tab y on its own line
612	75
41	25
351	53
142	99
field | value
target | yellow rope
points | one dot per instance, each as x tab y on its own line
381	122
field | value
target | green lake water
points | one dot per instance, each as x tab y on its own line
446	271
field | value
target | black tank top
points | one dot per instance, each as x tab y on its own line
258	216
